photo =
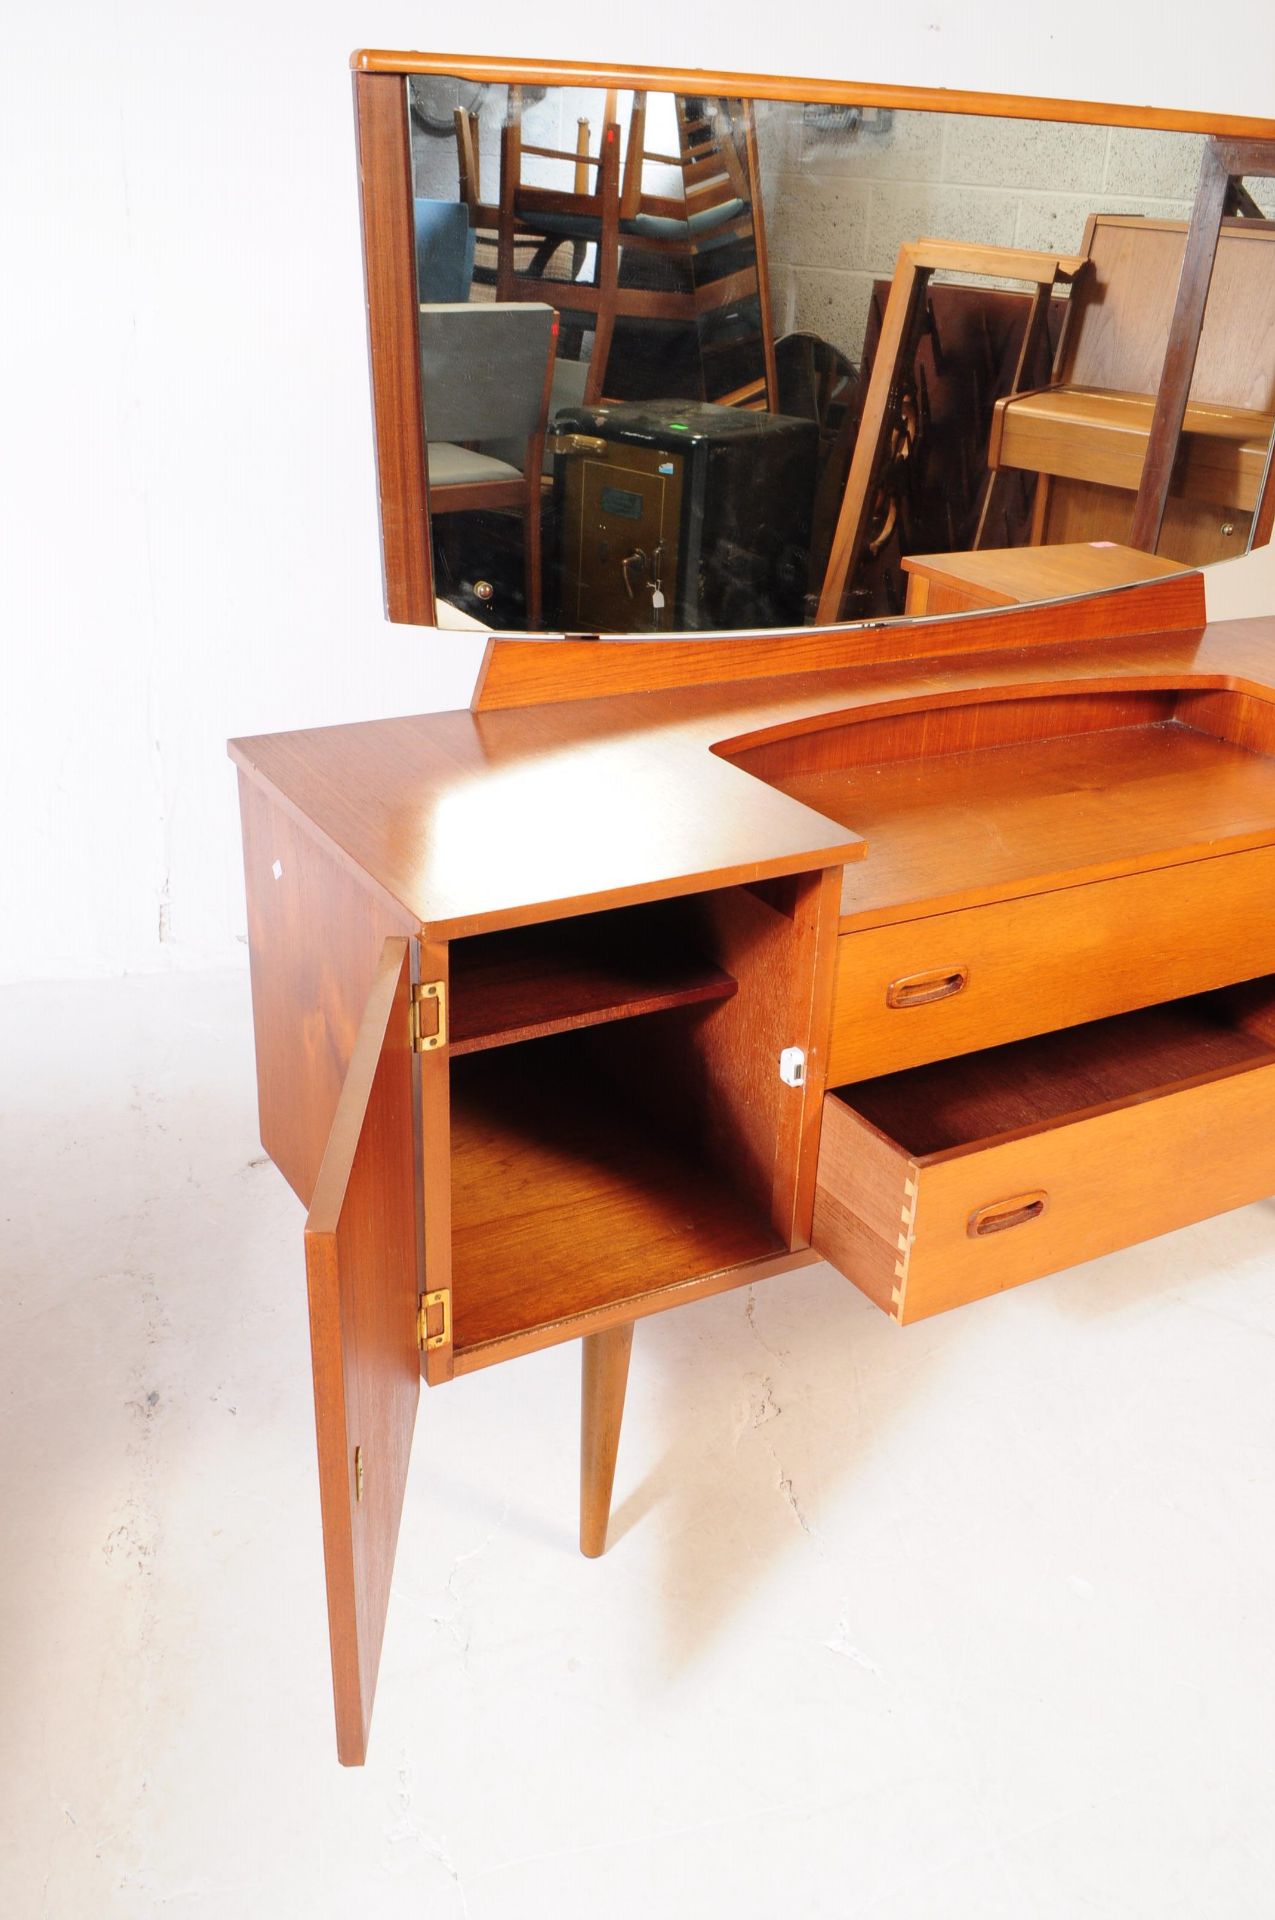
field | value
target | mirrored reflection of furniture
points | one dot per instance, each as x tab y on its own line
1087	433
483	216
932	489
546	219
715	226
486	377
838	185
506	249
883	418
693	261
944	953
677	518
1221	190
1013	576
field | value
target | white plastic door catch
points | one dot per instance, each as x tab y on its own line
792	1067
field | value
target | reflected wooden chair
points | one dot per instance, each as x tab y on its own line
577	213
484	219
469	169
484	215
712	229
486	378
609	208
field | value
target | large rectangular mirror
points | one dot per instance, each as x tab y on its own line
659	353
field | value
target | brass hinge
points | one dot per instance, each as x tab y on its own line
426	1340
423	993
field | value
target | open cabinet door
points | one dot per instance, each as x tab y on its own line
362	1265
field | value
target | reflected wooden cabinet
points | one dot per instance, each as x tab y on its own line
667	969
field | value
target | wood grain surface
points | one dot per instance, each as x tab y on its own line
520	673
566	1199
1082	1143
604	1377
604	1163
534	981
1081	433
362	1264
1051	960
640	1306
990	824
765	86
315	939
1009	576
473	821
389	271
1197	532
1122	314
963	805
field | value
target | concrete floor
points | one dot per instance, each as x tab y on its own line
973	1619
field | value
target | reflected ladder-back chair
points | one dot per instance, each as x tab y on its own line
715	228
486	375
720	206
484	220
484	216
882	418
547	218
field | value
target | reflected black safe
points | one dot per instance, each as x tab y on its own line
675	516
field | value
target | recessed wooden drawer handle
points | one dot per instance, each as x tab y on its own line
918	989
1007	1213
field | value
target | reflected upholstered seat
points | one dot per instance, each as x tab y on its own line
453	466
486	377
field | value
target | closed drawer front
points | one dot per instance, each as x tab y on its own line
926	989
951	1182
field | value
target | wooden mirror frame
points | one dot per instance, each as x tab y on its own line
385	178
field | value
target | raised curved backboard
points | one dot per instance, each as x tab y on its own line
659	352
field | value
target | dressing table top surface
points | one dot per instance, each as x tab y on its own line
469	820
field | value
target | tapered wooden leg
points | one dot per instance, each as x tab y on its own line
605	1374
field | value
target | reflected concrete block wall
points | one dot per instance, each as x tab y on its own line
847	198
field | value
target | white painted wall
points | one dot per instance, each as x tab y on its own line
187	517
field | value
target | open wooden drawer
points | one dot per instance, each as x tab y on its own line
948	1182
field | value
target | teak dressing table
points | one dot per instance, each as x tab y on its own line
941	949
667	968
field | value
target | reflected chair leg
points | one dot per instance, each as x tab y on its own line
531	555
605	1374
596	377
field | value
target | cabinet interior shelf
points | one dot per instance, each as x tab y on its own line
567	1195
527	982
